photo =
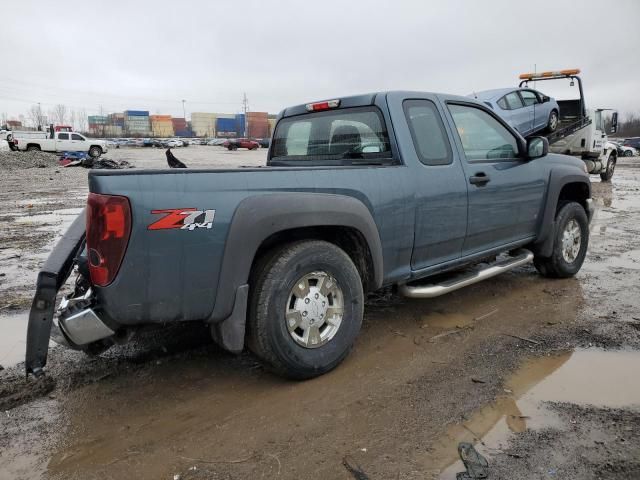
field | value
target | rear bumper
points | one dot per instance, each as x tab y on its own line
55	272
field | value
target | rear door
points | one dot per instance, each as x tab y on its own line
506	191
535	109
437	176
521	117
63	142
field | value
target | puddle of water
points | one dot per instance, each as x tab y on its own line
13	335
584	377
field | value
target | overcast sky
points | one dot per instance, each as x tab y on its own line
152	54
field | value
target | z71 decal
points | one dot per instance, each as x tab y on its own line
183	218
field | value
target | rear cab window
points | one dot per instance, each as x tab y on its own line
347	136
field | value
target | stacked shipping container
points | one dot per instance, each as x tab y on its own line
161	125
257	124
137	123
203	124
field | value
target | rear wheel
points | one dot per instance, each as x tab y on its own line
552	125
611	166
33	148
628	153
571	239
306	309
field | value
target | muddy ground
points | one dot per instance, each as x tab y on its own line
541	375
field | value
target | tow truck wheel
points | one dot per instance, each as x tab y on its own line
33	148
552	125
306	308
570	242
611	166
95	152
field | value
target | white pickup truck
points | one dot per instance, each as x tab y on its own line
61	142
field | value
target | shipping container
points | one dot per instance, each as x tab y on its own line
225	125
97	119
160	118
183	133
240	125
136	113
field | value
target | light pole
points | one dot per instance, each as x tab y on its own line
184	111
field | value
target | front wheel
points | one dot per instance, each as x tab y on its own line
95	152
611	166
570	242
306	309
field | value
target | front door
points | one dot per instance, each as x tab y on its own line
506	191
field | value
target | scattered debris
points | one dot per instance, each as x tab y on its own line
477	380
486	315
524	339
476	465
356	471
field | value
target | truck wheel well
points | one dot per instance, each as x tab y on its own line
348	239
573	192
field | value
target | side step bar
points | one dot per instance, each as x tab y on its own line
520	257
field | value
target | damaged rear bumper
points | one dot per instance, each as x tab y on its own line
55	272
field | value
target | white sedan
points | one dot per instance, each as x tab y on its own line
625	151
174	143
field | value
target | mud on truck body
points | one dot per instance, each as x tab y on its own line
380	190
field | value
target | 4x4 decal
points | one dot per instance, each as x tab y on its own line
183	218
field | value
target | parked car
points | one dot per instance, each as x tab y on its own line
264	142
359	193
624	151
633	142
525	109
173	143
237	143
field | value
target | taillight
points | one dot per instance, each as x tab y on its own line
108	231
318	106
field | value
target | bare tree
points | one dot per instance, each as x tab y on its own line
60	114
3	119
72	115
81	117
36	116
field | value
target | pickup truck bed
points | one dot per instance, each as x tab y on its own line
361	192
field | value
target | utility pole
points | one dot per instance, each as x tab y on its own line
245	109
184	111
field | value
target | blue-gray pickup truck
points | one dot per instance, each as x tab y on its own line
421	192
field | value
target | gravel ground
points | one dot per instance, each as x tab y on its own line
12	161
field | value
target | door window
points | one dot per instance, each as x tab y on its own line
429	137
529	98
63	136
513	101
481	135
75	136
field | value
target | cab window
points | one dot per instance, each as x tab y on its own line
482	136
63	136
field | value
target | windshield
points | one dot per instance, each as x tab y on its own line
332	136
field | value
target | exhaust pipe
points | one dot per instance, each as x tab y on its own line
521	257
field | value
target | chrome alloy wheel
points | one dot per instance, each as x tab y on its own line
571	241
314	310
553	122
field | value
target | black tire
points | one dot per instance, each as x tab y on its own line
611	166
557	266
33	148
628	153
272	284
95	151
552	124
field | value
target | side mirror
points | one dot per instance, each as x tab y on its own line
537	147
614	122
545	99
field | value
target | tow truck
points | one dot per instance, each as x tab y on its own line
582	132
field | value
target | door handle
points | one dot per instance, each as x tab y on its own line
479	178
